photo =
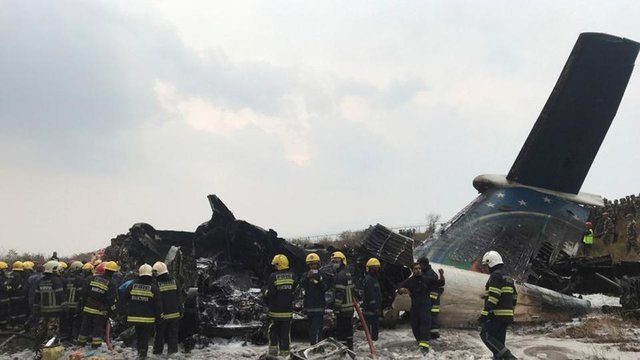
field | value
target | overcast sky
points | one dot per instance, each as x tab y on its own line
308	117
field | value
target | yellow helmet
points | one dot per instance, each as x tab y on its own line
280	261
97	262
339	255
3	265
312	258
87	266
372	262
111	266
63	265
28	265
76	265
18	266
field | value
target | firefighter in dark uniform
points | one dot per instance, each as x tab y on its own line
279	298
18	301
419	287
343	292
87	270
314	285
75	282
498	307
4	296
172	310
98	300
144	307
372	297
434	296
49	303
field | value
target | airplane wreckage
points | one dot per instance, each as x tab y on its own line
534	216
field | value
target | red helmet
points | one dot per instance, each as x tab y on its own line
588	223
100	268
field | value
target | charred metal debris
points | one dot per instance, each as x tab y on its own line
223	265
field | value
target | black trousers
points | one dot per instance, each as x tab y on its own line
316	323
373	322
166	331
344	330
279	336
92	326
421	322
435	325
4	314
493	335
143	333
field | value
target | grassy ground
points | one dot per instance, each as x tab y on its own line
618	249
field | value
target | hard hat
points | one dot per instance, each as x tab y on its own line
51	267
372	262
339	255
111	266
100	268
280	261
144	270
160	268
588	224
492	258
312	258
28	265
3	265
63	265
87	266
17	266
97	262
76	265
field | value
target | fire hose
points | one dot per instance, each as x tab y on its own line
372	348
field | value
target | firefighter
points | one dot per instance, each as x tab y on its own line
314	286
49	302
587	239
499	303
87	270
419	287
17	296
372	297
74	286
434	296
4	296
30	285
343	291
97	302
172	310
279	298
144	307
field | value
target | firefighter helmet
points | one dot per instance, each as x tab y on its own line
87	266
51	267
111	266
280	262
373	262
63	265
588	224
3	265
100	268
312	258
97	262
17	266
160	268
491	259
339	255
76	265
145	270
28	265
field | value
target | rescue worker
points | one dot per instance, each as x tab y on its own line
632	234
587	239
144	307
63	269
343	292
30	289
499	304
167	329
4	296
372	297
434	296
279	298
314	286
87	270
49	303
97	302
17	296
419	287
608	231
74	287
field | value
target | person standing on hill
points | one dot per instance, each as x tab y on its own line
587	239
608	229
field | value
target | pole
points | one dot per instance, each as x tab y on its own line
372	348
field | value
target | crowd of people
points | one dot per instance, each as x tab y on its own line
603	221
74	302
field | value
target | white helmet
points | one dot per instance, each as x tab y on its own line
51	267
145	270
491	259
160	268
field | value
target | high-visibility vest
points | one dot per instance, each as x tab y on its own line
588	238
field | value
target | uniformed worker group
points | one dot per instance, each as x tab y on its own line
75	302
